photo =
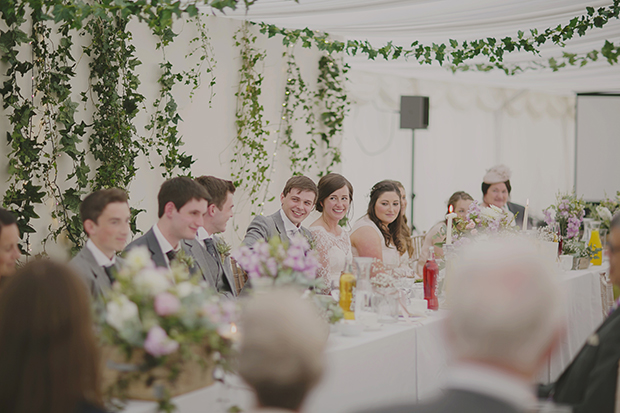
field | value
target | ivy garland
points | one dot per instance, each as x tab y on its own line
251	158
457	54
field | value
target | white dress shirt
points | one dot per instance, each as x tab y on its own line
202	235
291	229
164	244
100	257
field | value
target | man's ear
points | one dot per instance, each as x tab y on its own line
169	208
89	226
281	198
211	209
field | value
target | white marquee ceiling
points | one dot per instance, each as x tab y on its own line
428	21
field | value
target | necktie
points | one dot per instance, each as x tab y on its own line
109	270
171	255
211	248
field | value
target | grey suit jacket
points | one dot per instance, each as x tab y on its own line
453	401
150	241
92	273
265	227
207	264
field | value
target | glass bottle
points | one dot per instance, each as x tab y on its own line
595	242
347	284
430	273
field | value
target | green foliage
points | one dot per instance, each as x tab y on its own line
251	159
493	50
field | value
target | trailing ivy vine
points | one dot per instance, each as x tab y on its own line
251	158
457	54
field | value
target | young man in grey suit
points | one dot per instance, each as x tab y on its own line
297	199
182	203
590	382
505	318
216	269
105	215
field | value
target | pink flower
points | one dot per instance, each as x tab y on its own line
470	225
158	343
166	304
212	312
474	231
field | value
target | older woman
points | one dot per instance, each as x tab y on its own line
9	245
48	355
331	240
496	191
460	201
378	234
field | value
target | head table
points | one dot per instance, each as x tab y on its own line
402	362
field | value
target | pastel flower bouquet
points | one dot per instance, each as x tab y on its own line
481	221
568	212
276	263
606	210
163	332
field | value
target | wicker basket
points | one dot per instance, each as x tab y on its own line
581	263
150	384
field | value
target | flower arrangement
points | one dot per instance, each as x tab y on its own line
579	249
568	212
223	248
606	210
279	263
479	221
161	321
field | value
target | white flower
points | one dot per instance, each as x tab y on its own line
184	289
121	311
491	213
139	258
152	281
604	213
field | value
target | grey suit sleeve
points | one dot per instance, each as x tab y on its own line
258	229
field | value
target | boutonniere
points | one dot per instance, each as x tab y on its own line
223	249
310	240
184	260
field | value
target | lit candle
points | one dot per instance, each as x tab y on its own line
451	215
527	207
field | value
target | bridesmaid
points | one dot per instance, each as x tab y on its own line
331	240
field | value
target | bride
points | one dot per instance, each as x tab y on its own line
332	241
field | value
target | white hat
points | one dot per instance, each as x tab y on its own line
498	173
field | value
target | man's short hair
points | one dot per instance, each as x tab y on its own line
505	303
179	191
6	219
281	354
303	183
217	188
93	205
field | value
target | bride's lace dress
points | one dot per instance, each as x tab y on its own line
334	252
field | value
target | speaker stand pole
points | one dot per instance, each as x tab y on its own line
412	170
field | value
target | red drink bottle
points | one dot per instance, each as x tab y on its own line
431	271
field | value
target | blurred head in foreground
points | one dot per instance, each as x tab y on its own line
505	306
281	355
48	355
614	250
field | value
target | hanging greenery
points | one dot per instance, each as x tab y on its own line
457	54
251	158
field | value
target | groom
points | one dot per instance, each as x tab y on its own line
297	200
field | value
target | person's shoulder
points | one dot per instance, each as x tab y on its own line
141	240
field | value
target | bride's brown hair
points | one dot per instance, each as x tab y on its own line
392	234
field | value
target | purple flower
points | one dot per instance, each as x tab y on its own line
158	343
166	304
549	217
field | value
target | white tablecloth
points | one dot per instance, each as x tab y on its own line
402	362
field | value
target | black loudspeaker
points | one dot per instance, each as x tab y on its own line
413	112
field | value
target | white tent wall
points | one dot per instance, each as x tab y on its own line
471	128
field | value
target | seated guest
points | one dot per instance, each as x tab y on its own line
48	355
504	321
215	267
105	216
297	200
378	234
405	229
9	245
281	353
331	241
496	191
590	382
182	204
460	201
